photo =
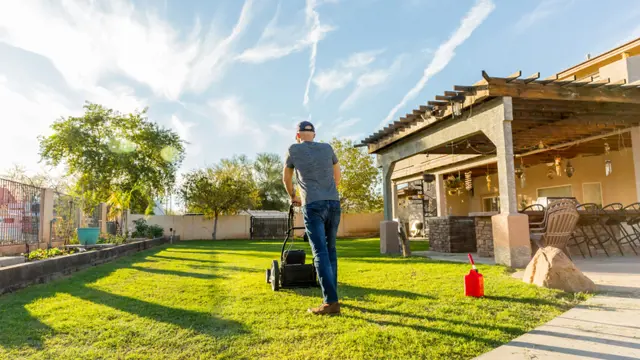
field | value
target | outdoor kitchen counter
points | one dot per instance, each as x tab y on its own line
452	234
483	232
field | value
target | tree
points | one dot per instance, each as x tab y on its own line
225	189
42	179
360	180
268	173
113	153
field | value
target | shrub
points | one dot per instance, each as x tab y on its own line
143	230
41	254
111	239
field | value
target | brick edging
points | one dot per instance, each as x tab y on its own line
20	276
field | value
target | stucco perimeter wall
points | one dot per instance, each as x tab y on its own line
353	225
196	227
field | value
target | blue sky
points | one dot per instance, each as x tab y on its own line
233	77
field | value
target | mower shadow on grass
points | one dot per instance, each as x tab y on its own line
21	330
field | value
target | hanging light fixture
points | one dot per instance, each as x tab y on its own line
569	169
557	162
607	162
468	181
456	104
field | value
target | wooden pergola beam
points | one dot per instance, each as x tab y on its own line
585	93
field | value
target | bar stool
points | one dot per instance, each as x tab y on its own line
589	218
612	217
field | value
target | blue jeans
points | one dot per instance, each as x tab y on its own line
321	220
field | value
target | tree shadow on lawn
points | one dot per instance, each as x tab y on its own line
352	292
468	337
164	257
506	329
177	272
19	328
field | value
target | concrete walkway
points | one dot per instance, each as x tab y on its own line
606	326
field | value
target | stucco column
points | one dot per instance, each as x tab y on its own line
510	229
46	215
394	198
441	196
388	192
388	228
635	146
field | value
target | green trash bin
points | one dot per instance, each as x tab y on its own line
88	236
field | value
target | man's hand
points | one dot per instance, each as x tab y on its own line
295	201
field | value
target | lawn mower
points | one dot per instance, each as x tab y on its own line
292	271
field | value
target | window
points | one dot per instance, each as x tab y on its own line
491	203
592	193
555	191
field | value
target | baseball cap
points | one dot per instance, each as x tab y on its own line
306	126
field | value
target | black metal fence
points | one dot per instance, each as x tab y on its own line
268	228
19	213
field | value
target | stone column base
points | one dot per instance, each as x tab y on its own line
511	244
389	241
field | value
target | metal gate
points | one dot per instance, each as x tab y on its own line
268	228
19	213
65	211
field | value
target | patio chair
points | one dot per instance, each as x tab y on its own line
611	217
590	220
560	221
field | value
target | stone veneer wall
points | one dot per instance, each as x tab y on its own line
484	236
452	234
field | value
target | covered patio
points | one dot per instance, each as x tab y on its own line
496	147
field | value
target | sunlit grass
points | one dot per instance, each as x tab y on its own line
201	300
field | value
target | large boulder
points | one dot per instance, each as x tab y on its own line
551	268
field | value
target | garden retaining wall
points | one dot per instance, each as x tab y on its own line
19	276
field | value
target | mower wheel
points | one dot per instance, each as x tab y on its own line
275	276
268	277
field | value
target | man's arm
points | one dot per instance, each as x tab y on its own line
336	173
287	179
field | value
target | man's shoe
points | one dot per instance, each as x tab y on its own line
326	309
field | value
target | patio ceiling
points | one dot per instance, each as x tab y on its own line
552	111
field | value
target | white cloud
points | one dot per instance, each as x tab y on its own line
446	51
25	116
331	80
278	41
119	98
370	80
344	72
87	40
346	124
361	59
282	130
233	120
183	128
543	10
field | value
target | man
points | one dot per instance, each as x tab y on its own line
318	174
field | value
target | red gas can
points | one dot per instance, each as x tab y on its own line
473	281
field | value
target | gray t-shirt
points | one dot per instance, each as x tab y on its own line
313	162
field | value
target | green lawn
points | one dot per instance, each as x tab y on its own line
202	300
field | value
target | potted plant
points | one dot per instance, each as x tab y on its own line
454	185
